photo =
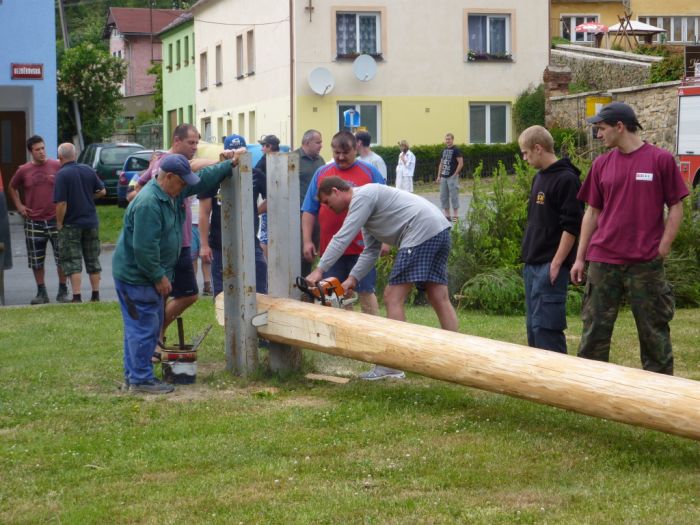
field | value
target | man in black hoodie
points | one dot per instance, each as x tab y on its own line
553	223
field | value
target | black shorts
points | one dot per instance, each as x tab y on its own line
184	282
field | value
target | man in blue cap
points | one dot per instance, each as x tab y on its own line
145	258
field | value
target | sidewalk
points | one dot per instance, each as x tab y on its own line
20	287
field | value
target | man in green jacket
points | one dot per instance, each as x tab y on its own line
145	258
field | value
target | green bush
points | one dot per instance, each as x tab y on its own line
497	291
683	263
528	109
672	67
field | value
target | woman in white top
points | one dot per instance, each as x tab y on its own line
405	168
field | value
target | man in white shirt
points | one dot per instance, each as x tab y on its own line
364	139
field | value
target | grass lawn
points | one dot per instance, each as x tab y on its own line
73	449
111	219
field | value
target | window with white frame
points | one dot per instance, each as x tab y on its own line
239	56
568	27
369	118
678	28
250	51
489	123
358	33
219	65
488	34
203	71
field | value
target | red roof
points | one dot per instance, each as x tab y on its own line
132	20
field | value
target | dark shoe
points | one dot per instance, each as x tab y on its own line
207	290
41	298
76	299
62	297
151	387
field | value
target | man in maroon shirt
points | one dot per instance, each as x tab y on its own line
35	181
624	239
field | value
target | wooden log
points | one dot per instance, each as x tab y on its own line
628	395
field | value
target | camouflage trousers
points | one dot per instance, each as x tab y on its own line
651	299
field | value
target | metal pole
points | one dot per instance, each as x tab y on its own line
66	45
238	253
284	254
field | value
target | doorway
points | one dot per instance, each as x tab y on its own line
13	134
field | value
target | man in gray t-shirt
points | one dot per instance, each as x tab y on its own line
402	219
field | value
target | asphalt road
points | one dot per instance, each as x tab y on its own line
20	287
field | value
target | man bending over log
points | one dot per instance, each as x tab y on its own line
395	217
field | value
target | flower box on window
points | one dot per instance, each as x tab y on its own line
353	55
474	56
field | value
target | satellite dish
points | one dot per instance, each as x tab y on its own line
365	68
321	81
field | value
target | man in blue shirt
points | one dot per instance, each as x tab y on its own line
76	188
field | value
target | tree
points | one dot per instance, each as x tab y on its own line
91	76
157	70
528	109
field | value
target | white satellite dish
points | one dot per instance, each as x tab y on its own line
364	67
321	81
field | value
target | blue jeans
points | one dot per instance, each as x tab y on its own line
142	312
217	276
546	307
341	270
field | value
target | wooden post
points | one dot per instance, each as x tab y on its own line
628	395
284	242
238	251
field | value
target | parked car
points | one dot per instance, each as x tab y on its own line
132	168
107	159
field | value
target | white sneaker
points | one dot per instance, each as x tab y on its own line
382	372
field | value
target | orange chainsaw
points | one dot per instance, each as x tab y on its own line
327	292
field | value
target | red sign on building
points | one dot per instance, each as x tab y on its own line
27	71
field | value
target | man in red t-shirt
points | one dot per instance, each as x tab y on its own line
35	181
357	173
624	239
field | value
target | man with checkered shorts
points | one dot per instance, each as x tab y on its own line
398	218
35	180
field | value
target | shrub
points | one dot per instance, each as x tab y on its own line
428	158
528	109
683	263
672	67
496	291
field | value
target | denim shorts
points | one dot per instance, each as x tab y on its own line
341	270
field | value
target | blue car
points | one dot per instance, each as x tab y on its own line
133	166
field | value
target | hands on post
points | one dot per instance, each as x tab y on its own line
163	287
232	154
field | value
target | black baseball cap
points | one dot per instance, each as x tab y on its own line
615	112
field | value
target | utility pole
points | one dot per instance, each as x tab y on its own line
66	45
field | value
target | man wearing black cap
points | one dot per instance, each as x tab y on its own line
624	239
144	260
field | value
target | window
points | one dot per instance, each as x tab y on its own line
239	56
369	118
489	123
488	34
203	75
177	55
678	28
250	44
170	57
251	124
357	33
190	113
219	66
206	127
180	115
220	128
568	27
186	51
241	124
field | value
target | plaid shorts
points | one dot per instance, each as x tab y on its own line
38	234
77	243
425	263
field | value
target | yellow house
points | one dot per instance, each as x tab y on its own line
425	69
565	16
680	18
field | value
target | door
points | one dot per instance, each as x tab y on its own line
13	134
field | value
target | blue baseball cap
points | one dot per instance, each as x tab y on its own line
234	142
180	166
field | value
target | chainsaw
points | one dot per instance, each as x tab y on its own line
327	292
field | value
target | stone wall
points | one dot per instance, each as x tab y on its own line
656	106
601	68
